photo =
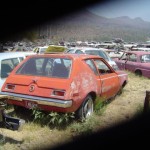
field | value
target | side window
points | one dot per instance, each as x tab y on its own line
102	67
91	66
133	57
145	58
7	66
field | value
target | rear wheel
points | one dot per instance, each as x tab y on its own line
86	109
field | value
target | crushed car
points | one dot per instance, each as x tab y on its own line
63	83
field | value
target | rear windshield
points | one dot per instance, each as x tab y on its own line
48	67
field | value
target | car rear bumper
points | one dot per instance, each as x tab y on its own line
39	100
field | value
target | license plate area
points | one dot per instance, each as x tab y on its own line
30	104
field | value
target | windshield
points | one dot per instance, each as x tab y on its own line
71	51
99	53
48	67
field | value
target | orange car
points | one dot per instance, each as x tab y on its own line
62	83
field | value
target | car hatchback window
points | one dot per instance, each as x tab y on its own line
49	67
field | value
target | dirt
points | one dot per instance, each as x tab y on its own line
123	108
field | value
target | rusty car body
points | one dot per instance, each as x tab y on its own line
63	83
135	61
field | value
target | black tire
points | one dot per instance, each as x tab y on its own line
86	109
138	73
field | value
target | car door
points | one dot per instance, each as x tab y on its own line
121	62
132	63
108	78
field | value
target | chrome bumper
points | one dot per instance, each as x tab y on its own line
38	100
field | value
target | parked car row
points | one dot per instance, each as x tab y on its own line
67	82
62	83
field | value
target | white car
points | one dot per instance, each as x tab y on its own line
8	61
93	51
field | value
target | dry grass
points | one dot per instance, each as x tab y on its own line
122	108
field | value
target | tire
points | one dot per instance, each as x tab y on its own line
138	73
86	109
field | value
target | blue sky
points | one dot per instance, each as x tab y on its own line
117	8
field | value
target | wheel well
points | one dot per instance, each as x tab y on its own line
124	84
93	95
138	71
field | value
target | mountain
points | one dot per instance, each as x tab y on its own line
85	25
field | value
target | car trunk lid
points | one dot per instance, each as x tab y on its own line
37	86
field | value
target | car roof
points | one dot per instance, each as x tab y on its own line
5	55
84	48
67	55
137	52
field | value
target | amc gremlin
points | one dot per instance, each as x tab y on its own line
63	83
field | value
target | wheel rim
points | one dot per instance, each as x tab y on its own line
88	108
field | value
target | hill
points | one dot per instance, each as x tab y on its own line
85	25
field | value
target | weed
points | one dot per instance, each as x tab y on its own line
86	127
2	140
99	105
52	118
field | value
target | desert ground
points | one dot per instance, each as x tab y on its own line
121	109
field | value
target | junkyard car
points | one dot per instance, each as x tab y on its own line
40	49
62	83
93	51
8	61
114	54
135	61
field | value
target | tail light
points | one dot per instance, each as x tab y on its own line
10	87
59	92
